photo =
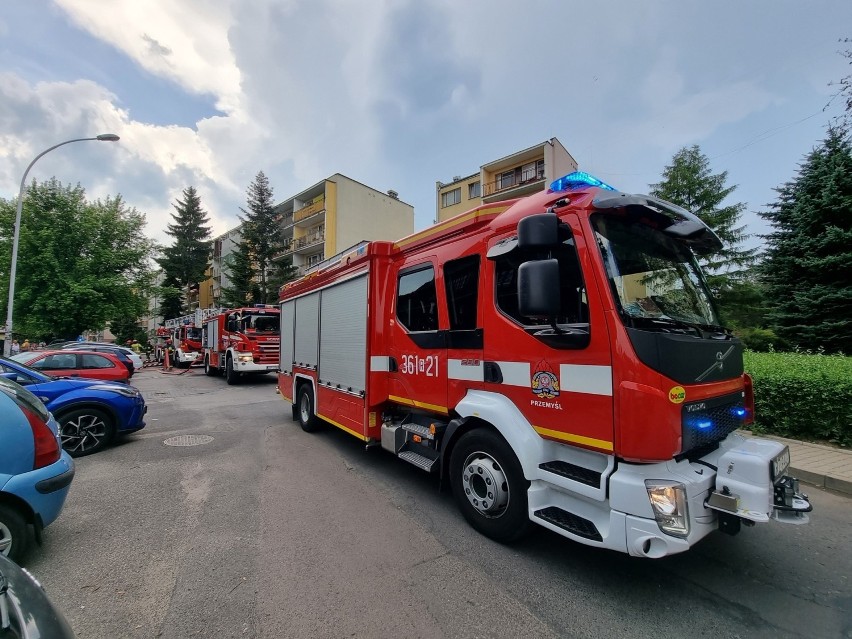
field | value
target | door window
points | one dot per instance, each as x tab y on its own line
417	301
90	360
461	278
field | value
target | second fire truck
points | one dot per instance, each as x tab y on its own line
556	360
185	334
241	341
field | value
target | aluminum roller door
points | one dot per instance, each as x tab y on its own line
343	335
307	330
288	323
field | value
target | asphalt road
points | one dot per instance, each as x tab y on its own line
267	531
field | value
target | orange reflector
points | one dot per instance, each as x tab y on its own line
417	439
431	429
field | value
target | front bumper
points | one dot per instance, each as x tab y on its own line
623	519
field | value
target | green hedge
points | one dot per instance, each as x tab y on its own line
802	396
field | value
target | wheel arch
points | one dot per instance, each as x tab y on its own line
67	408
480	409
8	499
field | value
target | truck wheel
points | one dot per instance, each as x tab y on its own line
305	406
14	536
231	376
209	370
489	486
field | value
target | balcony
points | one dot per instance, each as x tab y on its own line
301	245
518	183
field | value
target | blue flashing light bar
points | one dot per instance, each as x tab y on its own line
579	180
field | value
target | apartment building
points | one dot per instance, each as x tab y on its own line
323	220
210	290
516	175
337	213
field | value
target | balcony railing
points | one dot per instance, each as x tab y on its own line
505	183
300	243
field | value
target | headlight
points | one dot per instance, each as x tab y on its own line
668	499
127	391
245	357
779	464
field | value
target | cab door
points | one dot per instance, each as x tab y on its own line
418	366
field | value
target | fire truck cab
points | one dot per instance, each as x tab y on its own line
557	360
241	341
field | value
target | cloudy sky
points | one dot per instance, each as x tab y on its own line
398	94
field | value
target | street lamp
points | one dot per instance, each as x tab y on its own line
7	346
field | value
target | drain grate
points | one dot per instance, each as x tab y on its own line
188	440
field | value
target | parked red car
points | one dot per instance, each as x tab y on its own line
79	363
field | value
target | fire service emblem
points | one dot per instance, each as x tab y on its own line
544	383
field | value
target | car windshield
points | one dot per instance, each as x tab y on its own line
17	366
653	276
24	357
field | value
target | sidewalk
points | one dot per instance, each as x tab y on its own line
822	466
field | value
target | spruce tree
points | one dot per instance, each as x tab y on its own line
808	266
262	237
185	263
241	274
689	183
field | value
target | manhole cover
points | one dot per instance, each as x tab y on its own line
188	440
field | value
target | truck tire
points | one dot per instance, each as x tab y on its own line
305	409
231	376
209	370
489	486
14	535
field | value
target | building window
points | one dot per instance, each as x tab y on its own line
528	172
311	260
450	197
507	179
539	170
474	190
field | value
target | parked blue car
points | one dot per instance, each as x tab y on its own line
90	412
35	473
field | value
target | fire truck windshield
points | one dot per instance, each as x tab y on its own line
193	333
259	323
654	277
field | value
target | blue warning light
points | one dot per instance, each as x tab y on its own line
579	180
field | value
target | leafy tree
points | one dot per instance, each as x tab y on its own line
689	183
185	263
80	263
263	237
808	266
126	328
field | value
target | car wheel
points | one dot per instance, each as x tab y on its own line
305	409
231	376
209	370
489	486
14	536
85	431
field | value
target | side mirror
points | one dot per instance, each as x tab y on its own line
538	231
538	288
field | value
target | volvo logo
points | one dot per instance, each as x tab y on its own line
718	365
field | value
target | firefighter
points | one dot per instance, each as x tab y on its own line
137	347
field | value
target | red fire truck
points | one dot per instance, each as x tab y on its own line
556	359
185	333
241	341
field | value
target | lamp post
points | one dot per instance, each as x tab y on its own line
7	346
